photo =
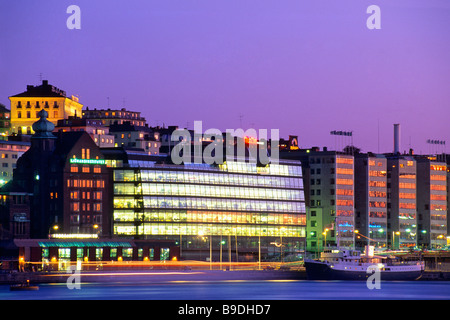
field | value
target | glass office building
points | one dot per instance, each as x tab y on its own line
236	205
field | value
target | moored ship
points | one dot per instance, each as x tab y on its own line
352	265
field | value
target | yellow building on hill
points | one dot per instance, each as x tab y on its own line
25	106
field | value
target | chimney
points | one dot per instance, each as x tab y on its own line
396	138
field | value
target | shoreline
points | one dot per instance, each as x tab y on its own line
173	275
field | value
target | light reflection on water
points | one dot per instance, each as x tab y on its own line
235	290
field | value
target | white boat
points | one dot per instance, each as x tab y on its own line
352	265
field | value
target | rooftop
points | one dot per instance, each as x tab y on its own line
44	90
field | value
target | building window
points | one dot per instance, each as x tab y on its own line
74	195
98	195
73	168
85	169
127	252
85	153
75	206
165	253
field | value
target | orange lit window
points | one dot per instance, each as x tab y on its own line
407	176
403	185
344	181
375	173
438	207
344	171
438	197
438	177
438	168
97	169
73	168
404	195
377	214
410	163
377	194
75	206
344	202
344	213
380	184
344	192
437	187
85	169
377	204
344	160
407	205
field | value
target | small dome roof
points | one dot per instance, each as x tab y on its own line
43	127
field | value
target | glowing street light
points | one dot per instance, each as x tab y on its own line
55	227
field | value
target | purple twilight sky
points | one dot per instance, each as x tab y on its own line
305	67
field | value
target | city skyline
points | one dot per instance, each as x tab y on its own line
304	68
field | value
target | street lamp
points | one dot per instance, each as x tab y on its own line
325	234
393	238
282	229
201	234
54	227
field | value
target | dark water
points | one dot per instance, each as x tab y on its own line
236	290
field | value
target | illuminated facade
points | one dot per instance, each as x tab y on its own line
329	191
227	208
26	106
371	200
5	122
98	132
133	136
402	203
431	203
114	116
10	151
67	178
